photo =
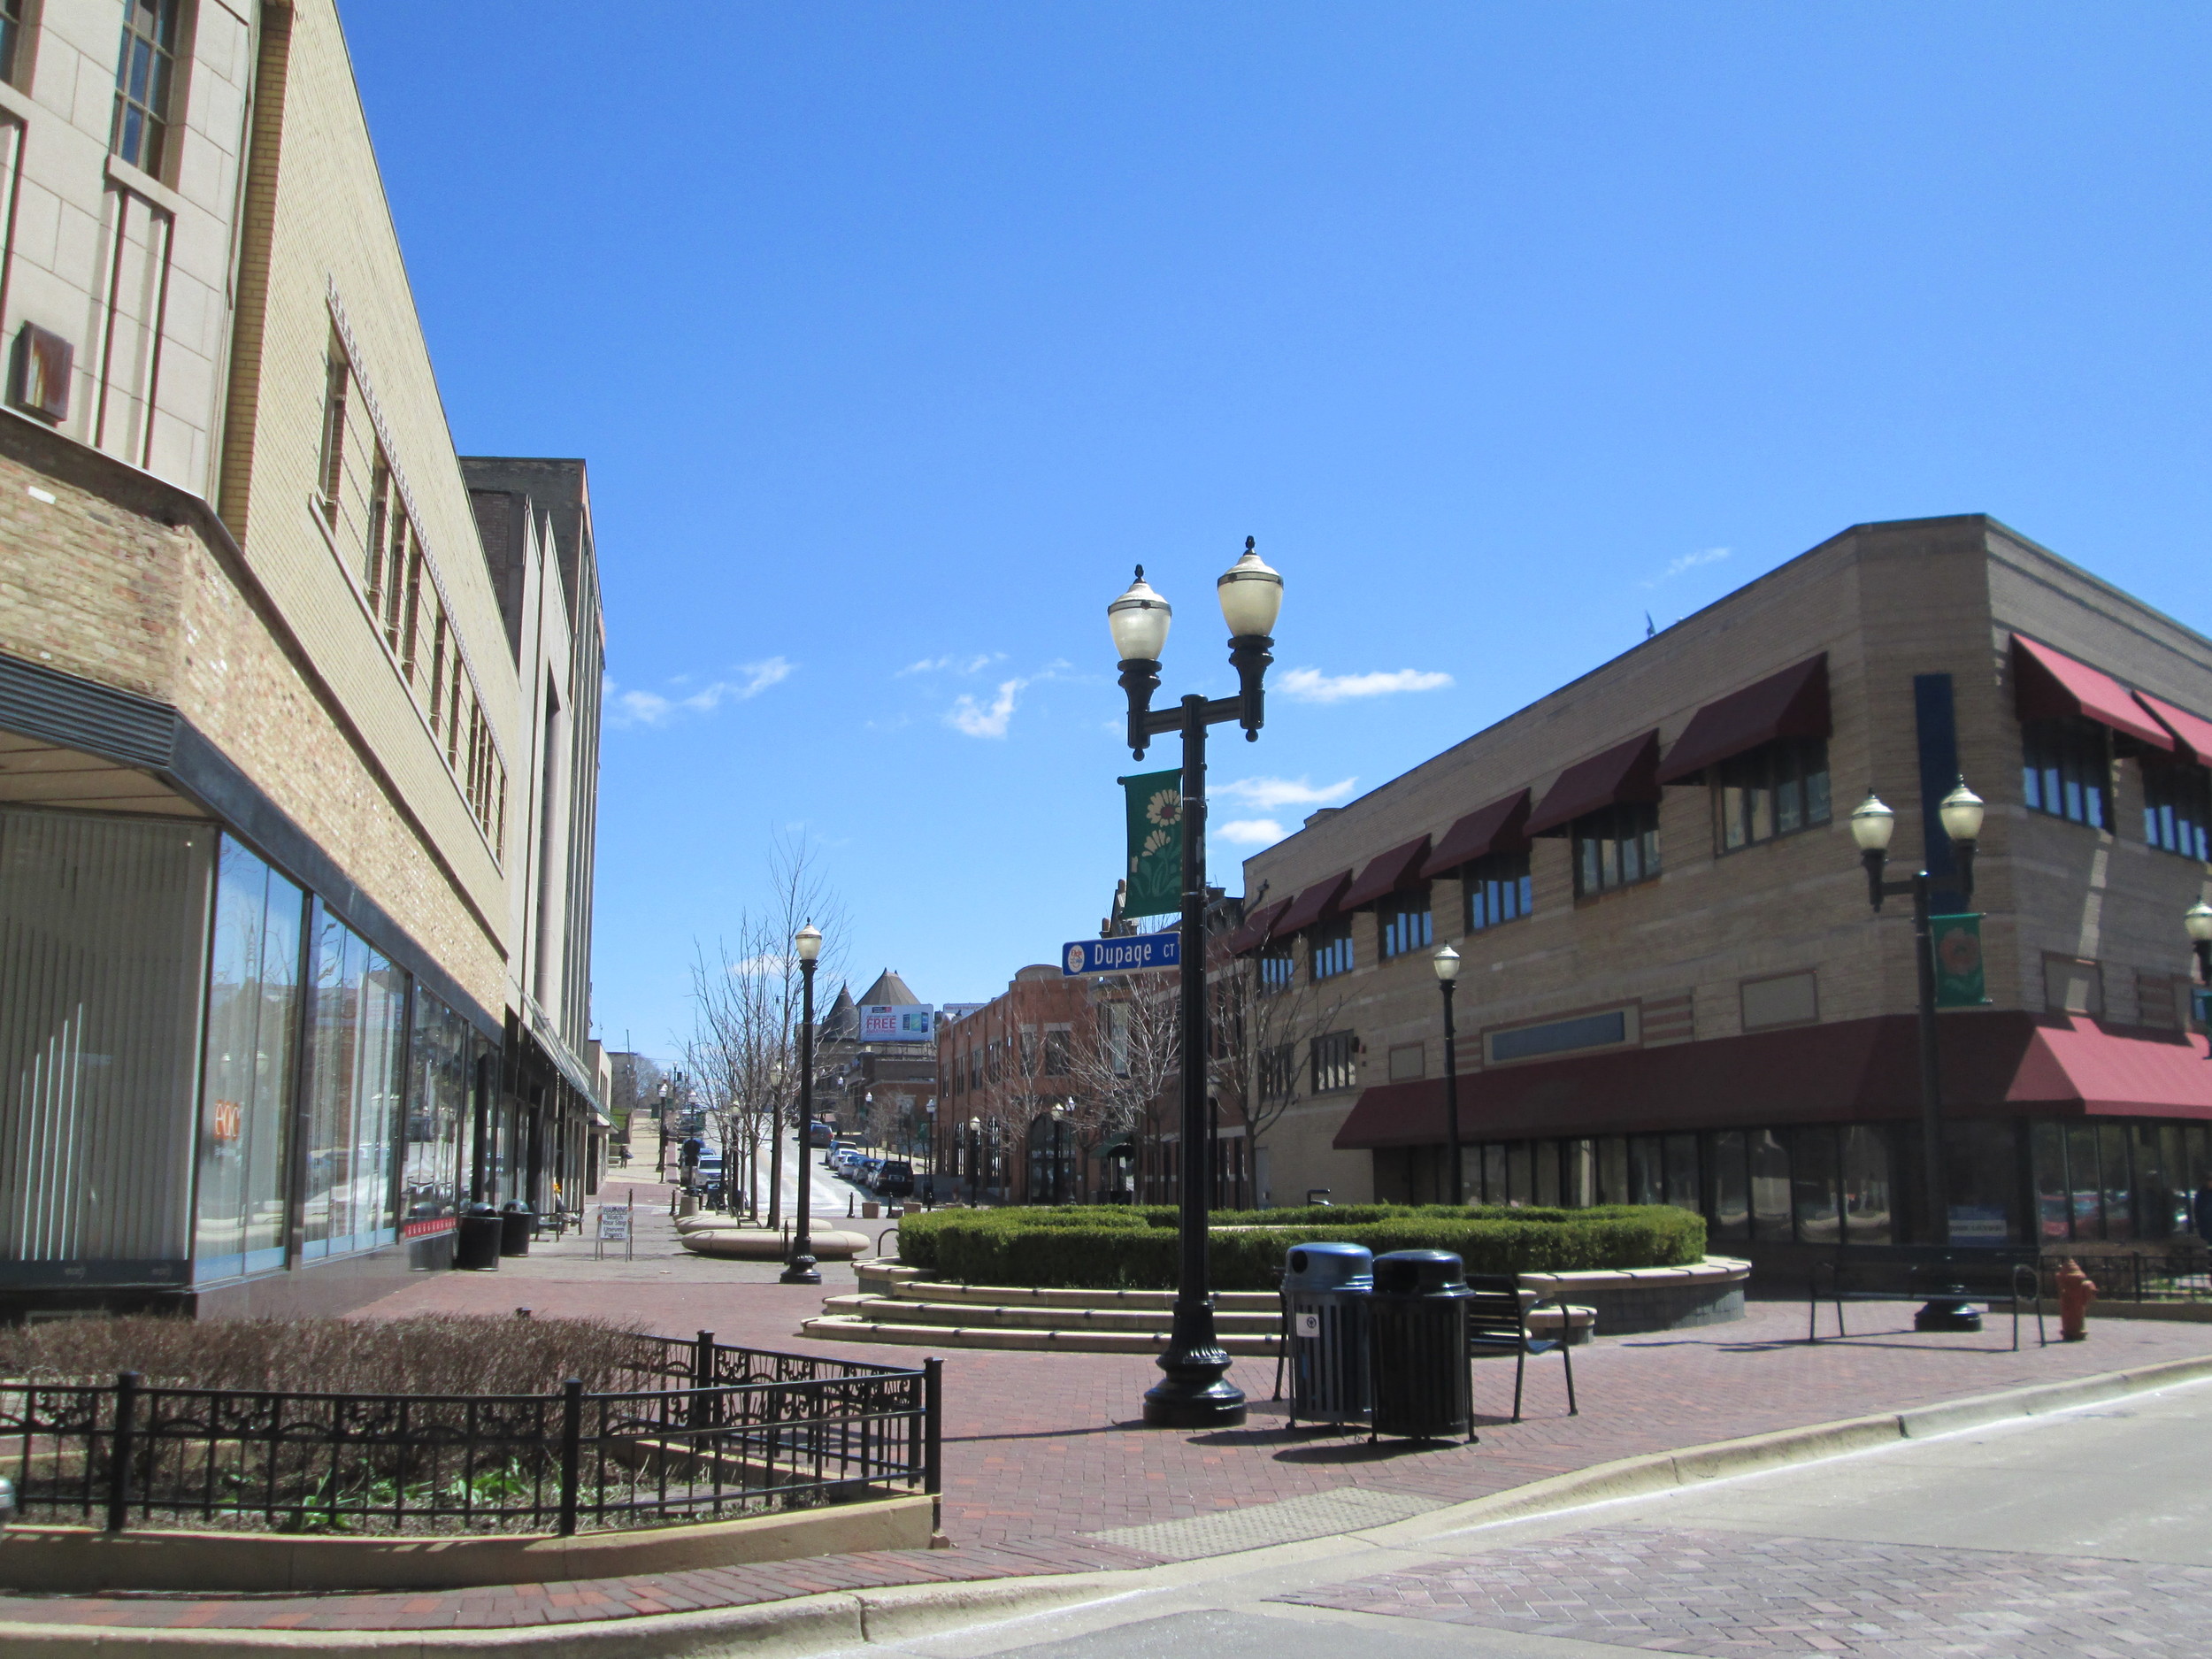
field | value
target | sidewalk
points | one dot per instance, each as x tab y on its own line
1043	1452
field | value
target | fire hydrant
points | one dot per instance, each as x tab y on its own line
2075	1292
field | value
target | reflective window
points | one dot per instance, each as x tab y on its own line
143	82
1866	1190
2066	768
2178	808
250	1077
1334	1060
11	38
1278	968
1731	1187
440	1050
1616	846
1330	944
357	1032
1405	922
1776	789
1498	890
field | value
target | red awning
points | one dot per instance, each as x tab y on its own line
1495	828
1310	906
1400	867
1258	927
1856	1071
2049	684
2194	731
1627	771
1792	703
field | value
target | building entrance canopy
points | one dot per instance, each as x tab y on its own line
1856	1071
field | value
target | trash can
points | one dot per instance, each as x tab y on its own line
514	1222
1325	1331
478	1248
1417	1344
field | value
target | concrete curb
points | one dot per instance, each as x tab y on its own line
809	1624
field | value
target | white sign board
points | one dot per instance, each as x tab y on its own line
912	1022
614	1224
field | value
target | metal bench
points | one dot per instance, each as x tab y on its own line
1497	1320
1923	1273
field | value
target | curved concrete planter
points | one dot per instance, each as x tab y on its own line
1631	1299
751	1244
76	1558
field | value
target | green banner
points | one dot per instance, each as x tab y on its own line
1155	844
1957	940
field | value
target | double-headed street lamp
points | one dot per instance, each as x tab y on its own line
807	945
1195	1392
1871	826
1446	962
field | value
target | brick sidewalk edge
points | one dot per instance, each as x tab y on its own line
812	1624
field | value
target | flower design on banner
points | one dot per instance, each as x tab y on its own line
1960	953
1154	842
1164	808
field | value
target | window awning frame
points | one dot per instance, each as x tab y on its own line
1500	827
1313	904
2047	684
1791	704
1623	774
1387	873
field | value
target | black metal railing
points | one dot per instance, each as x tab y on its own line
2178	1272
686	1432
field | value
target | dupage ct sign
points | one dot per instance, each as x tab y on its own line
1131	954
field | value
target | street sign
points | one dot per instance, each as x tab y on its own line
1131	954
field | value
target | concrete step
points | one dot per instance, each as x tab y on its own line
845	1328
899	1310
1023	1296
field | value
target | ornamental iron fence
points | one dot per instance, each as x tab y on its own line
692	1431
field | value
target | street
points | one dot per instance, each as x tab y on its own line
2080	1534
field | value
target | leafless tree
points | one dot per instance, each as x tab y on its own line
1265	1011
1128	1054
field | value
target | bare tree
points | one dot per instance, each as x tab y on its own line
1127	1055
1265	1012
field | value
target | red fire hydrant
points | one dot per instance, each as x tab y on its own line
2075	1292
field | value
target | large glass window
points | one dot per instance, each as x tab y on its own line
1616	846
1812	1185
2084	1182
358	1031
1405	922
1334	1061
1330	944
1498	890
144	82
440	1052
2178	808
2066	768
246	1091
104	959
11	39
1866	1189
2119	1190
1730	1185
1278	968
1776	789
1770	1161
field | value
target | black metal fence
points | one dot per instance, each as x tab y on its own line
2171	1273
692	1431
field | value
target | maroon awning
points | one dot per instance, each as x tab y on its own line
1400	867
1258	927
1496	828
1856	1071
2193	731
2048	684
1310	906
1627	771
1792	703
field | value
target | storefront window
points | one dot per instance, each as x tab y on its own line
1812	1185
358	1031
1520	1173
1982	1169
2047	1147
1731	1187
437	1112
2153	1185
1681	1158
1866	1191
1769	1187
253	1024
2083	1180
1548	1174
1646	1171
1613	1171
2119	1191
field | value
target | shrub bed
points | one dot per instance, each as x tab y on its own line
1110	1248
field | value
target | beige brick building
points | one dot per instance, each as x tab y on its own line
296	766
1673	988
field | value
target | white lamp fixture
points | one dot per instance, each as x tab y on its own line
2198	920
807	943
1872	824
1139	621
1251	595
1446	962
1962	814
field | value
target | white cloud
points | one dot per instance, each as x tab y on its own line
766	966
1310	685
649	708
974	664
1267	794
1689	562
1251	831
977	721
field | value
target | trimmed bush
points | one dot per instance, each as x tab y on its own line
1108	1247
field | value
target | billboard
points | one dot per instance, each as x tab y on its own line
909	1022
953	1012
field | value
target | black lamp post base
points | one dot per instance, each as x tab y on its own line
802	1271
1196	1393
1948	1311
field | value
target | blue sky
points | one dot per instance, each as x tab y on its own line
895	334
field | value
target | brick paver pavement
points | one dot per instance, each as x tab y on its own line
1042	1449
1702	1591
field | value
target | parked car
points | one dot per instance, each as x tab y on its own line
894	1179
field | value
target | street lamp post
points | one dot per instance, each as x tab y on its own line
1871	825
807	943
975	1154
1446	962
1195	1392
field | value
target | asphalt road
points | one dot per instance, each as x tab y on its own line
2086	1533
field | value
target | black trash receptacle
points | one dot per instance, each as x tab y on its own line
516	1218
478	1246
1416	1344
1325	1335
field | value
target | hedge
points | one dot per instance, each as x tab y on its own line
1109	1246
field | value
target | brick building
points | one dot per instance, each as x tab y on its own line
295	772
1673	987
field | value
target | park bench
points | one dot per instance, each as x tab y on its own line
1878	1272
1497	1320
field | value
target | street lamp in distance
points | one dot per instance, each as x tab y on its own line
1446	962
975	1154
1960	814
1194	1392
806	944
